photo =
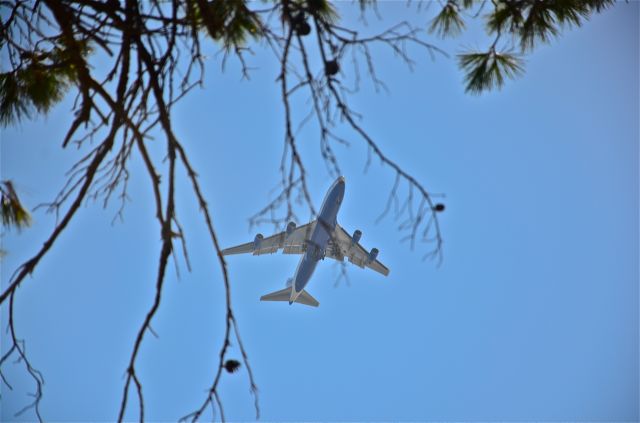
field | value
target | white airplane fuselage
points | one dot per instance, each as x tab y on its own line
320	237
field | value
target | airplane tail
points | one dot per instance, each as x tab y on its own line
285	294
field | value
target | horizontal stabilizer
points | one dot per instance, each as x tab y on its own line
282	295
306	299
285	294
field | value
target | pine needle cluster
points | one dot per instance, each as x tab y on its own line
524	24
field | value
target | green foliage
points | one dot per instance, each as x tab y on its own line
323	9
528	22
13	101
538	20
545	19
28	88
41	78
506	17
297	12
39	83
448	22
486	71
12	211
539	25
229	21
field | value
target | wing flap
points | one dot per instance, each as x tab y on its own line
355	259
290	243
342	246
266	250
293	249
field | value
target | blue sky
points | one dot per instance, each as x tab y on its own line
533	314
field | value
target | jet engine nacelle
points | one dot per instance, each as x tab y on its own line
257	241
357	234
372	255
291	227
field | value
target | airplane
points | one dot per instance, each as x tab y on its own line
320	238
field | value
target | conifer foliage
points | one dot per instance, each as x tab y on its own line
152	53
518	24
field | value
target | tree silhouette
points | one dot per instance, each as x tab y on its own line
155	58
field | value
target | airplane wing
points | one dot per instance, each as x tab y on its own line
342	245
292	243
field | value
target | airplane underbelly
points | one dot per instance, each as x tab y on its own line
305	271
322	234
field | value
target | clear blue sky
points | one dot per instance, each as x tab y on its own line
533	314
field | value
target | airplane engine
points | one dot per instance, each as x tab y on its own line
289	283
257	241
291	227
357	234
372	255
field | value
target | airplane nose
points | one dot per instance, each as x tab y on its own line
342	179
